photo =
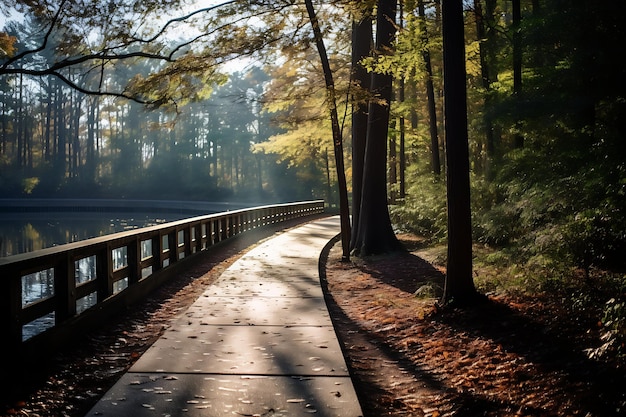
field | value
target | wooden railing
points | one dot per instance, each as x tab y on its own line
52	294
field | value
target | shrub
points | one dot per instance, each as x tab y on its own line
424	210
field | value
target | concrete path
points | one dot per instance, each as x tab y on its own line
259	342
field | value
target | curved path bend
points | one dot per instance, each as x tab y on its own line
258	342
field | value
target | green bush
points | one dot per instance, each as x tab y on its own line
614	331
424	210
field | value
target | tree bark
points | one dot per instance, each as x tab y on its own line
459	284
517	66
485	69
375	234
435	160
361	48
344	211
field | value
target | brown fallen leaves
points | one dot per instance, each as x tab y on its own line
508	356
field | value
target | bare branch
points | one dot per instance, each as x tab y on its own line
43	44
83	90
66	63
182	19
183	52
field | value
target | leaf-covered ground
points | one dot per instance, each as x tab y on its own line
509	356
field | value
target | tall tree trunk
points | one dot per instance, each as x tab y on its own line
361	48
90	158
60	136
99	148
459	284
259	173
77	151
375	234
48	127
517	66
329	191
393	163
402	157
20	124
411	90
5	127
402	162
435	160
485	68
344	211
401	144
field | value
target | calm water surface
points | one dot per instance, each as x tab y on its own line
27	232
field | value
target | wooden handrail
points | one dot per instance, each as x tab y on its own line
92	279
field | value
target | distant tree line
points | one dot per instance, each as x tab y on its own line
76	124
56	141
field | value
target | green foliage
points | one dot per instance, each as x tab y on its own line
542	215
613	334
414	39
549	213
189	79
558	208
472	52
7	45
29	184
424	210
428	290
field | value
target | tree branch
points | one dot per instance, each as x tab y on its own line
84	90
182	19
42	46
98	60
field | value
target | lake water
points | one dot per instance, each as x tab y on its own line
27	225
27	232
30	231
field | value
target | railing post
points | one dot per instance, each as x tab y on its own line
172	242
10	306
184	245
210	232
199	237
64	288
133	254
109	281
217	230
224	228
236	227
164	252
157	250
104	272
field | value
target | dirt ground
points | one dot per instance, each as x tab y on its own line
508	356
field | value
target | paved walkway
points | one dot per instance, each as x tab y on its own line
259	342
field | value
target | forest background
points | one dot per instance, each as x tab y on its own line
152	99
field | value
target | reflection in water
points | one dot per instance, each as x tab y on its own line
37	286
27	232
